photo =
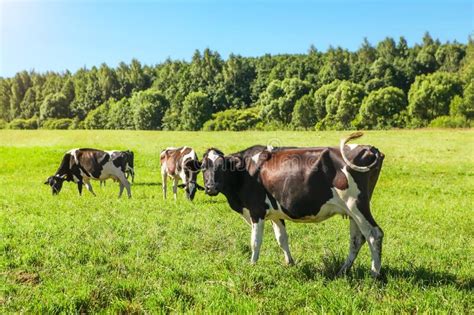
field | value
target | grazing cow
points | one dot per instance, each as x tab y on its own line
129	162
301	185
180	163
82	165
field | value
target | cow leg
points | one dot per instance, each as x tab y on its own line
121	186
355	243
127	187
282	239
124	183
175	188
89	187
164	180
79	188
372	233
256	240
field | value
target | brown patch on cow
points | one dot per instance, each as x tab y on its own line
172	157
340	181
27	278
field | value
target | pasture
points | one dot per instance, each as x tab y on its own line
87	254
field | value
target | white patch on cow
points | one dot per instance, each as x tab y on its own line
352	146
212	155
331	207
190	156
269	148
73	152
282	238
275	213
349	197
372	234
256	239
255	157
191	186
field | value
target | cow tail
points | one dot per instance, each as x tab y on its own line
362	169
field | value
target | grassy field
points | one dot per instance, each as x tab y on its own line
86	254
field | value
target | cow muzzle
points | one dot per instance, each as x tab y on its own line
211	190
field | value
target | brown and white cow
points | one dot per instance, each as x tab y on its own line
180	163
301	185
82	165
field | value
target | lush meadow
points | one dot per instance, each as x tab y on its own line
85	254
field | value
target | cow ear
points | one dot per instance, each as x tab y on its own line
199	187
46	182
193	165
181	185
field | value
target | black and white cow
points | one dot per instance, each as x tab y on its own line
180	163
82	165
301	185
129	164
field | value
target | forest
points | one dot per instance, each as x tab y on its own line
382	86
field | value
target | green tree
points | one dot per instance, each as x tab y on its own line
54	106
464	106
342	106
5	94
426	59
137	77
97	118
449	57
430	96
20	83
196	111
304	113
233	120
238	74
381	108
364	57
108	82
29	105
149	107
335	66
88	94
121	115
280	97
320	97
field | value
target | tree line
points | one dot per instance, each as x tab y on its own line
387	85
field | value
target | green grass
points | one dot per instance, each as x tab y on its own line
89	254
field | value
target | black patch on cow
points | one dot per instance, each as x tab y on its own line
120	162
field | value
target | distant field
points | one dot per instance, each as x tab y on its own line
89	254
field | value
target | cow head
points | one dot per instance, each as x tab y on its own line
215	166
56	183
191	169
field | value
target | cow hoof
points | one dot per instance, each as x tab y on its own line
291	262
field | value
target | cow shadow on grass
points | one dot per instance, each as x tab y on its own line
420	276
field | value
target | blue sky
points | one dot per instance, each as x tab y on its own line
59	35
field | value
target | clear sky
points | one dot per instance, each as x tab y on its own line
58	35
